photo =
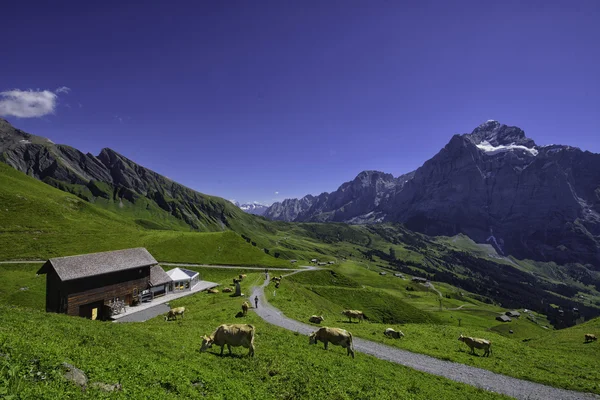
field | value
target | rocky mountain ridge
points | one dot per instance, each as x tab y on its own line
111	176
493	184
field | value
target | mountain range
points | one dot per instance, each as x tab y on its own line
494	184
251	208
114	181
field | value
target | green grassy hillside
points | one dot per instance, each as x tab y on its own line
159	359
38	221
556	358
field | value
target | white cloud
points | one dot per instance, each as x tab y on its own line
27	103
62	89
276	193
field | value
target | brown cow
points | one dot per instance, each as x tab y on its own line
589	337
337	336
316	319
245	307
231	335
476	343
172	314
354	314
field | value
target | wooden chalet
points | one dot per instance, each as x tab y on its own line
86	285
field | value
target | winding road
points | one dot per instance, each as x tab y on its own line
481	378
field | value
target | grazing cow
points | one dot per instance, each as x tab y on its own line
227	290
337	336
590	337
475	343
316	319
245	307
213	291
277	285
354	314
275	279
231	335
242	276
172	314
389	332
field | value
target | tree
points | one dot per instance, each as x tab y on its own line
392	253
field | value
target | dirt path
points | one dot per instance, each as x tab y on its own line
481	378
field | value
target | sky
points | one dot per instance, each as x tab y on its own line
266	100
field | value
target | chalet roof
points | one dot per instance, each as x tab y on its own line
158	276
513	313
86	265
180	274
503	318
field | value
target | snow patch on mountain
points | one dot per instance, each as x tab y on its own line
490	149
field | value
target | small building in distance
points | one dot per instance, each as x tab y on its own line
293	261
420	280
85	285
513	314
331	262
503	318
183	279
321	263
399	275
383	273
314	260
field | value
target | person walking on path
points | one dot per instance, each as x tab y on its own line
255	301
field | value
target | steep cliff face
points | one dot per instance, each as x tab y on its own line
109	175
495	185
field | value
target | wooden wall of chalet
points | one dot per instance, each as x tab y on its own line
53	294
105	287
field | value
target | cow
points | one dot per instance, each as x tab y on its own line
389	332
316	319
242	276
354	314
245	307
476	343
231	335
227	290
590	337
172	314
277	285
213	291
337	336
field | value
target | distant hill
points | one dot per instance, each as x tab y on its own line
494	185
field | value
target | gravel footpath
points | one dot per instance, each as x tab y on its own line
481	378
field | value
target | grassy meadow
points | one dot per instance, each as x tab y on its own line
553	357
159	359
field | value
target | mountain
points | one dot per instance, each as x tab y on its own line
494	184
112	180
353	202
252	208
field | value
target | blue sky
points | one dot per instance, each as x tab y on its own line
265	100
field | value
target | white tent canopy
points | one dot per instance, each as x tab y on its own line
183	279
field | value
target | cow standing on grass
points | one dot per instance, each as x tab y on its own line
356	314
172	314
231	335
589	337
337	336
476	343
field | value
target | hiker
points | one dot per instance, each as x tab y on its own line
255	301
